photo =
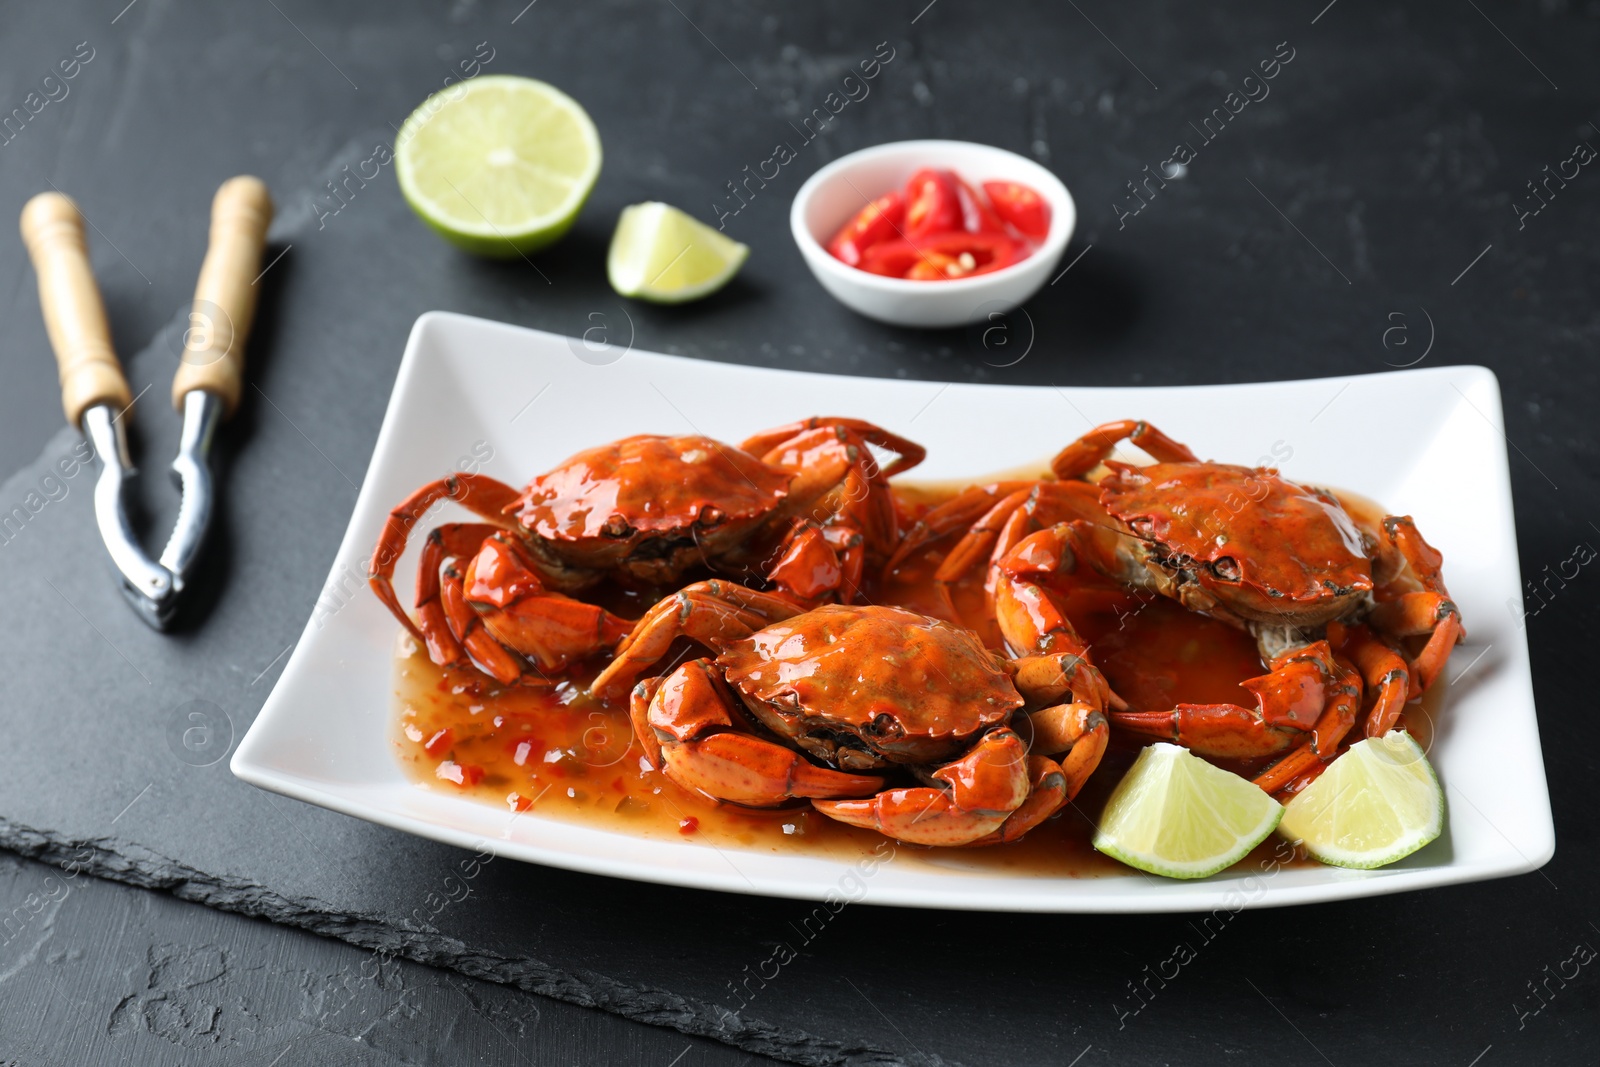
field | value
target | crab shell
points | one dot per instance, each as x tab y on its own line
1242	541
649	507
864	686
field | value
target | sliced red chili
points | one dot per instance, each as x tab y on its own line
878	221
892	259
932	204
976	214
936	267
1021	206
943	256
941	227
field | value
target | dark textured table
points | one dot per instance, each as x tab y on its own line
1370	206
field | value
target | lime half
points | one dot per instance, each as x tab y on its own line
499	165
1176	815
661	254
1377	803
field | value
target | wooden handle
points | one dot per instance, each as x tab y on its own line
225	295
74	316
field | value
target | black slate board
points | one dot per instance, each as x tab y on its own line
96	972
1374	141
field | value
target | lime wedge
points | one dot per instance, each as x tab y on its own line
1377	803
1176	815
498	165
661	254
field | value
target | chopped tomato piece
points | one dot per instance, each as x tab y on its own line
976	214
932	204
878	221
462	774
439	742
1021	206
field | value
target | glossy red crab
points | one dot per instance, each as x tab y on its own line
838	703
1327	597
802	506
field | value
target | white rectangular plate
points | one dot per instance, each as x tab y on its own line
1428	442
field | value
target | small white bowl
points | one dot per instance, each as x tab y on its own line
834	194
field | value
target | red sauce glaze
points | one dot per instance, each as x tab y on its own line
566	756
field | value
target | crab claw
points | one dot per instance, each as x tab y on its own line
501	588
747	770
982	790
690	722
1088	451
1307	691
1077	735
1050	791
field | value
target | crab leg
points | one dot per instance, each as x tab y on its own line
815	562
1053	661
1387	678
826	556
830	455
1305	685
994	518
1300	767
1029	618
1047	503
1062	676
907	453
477	493
1090	450
639	701
969	507
467	627
849	547
500	608
1422	613
685	614
710	612
849	533
980	791
808	568
837	480
1077	735
450	541
1049	792
1309	695
688	729
439	633
509	597
1428	612
996	532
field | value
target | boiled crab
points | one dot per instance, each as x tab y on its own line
834	703
802	506
1327	597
